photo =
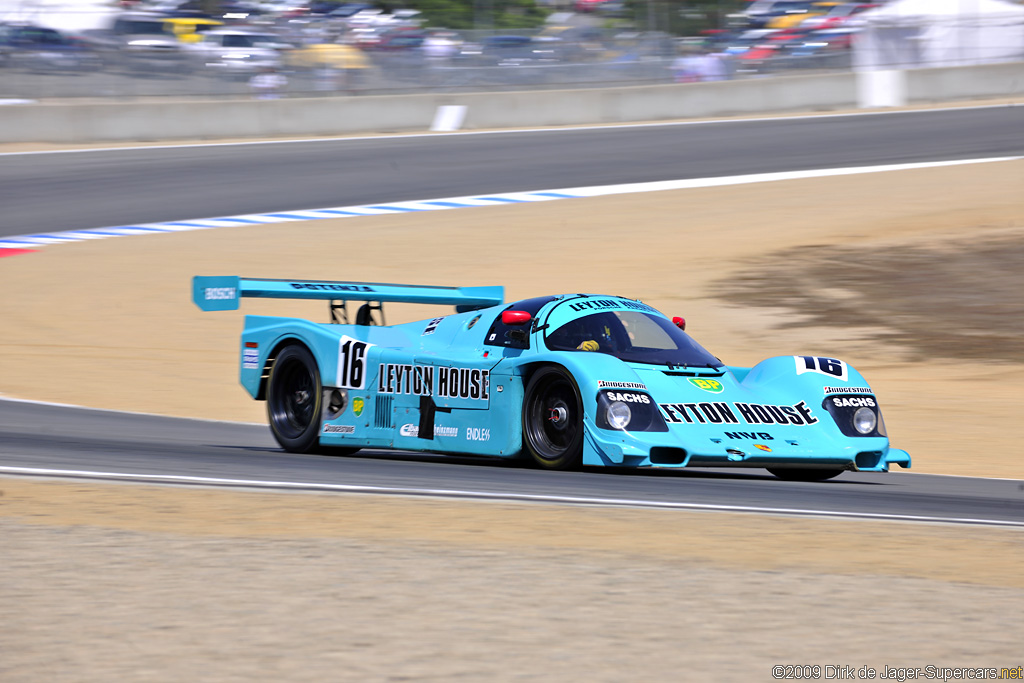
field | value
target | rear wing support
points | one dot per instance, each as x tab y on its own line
225	292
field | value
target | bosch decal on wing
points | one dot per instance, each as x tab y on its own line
219	293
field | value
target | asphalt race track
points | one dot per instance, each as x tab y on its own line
93	189
52	192
130	447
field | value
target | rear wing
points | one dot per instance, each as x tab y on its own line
224	292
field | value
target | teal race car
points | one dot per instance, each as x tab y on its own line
564	381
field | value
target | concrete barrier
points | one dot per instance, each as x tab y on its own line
86	122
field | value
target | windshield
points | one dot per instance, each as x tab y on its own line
632	336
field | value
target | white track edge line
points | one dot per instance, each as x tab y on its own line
525	197
493	495
12	399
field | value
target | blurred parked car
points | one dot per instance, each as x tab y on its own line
238	52
839	15
825	49
398	40
348	9
140	42
761	57
761	12
738	43
39	49
506	50
794	16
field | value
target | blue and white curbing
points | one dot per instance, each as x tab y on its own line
504	199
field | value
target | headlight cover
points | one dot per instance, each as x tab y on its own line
618	415
864	420
630	411
855	414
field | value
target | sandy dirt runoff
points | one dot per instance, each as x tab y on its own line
912	277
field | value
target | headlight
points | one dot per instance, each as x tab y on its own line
855	414
864	420
632	411
618	415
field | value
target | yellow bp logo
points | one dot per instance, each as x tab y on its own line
711	385
357	406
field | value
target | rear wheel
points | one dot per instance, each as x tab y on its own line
294	397
553	419
798	474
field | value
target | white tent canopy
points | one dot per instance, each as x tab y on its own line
64	15
937	33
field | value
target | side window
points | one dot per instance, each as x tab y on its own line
508	336
515	336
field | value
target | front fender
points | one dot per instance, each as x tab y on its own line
807	375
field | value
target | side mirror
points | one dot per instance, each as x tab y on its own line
679	322
515	317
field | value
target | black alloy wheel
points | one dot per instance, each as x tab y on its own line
294	398
553	419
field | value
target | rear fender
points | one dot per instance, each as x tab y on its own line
264	337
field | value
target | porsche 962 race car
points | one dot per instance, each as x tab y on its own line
577	379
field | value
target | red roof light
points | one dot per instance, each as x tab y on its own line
515	317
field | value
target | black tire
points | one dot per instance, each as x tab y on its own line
797	474
553	419
294	400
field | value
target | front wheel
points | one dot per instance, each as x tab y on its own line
553	419
294	397
799	474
